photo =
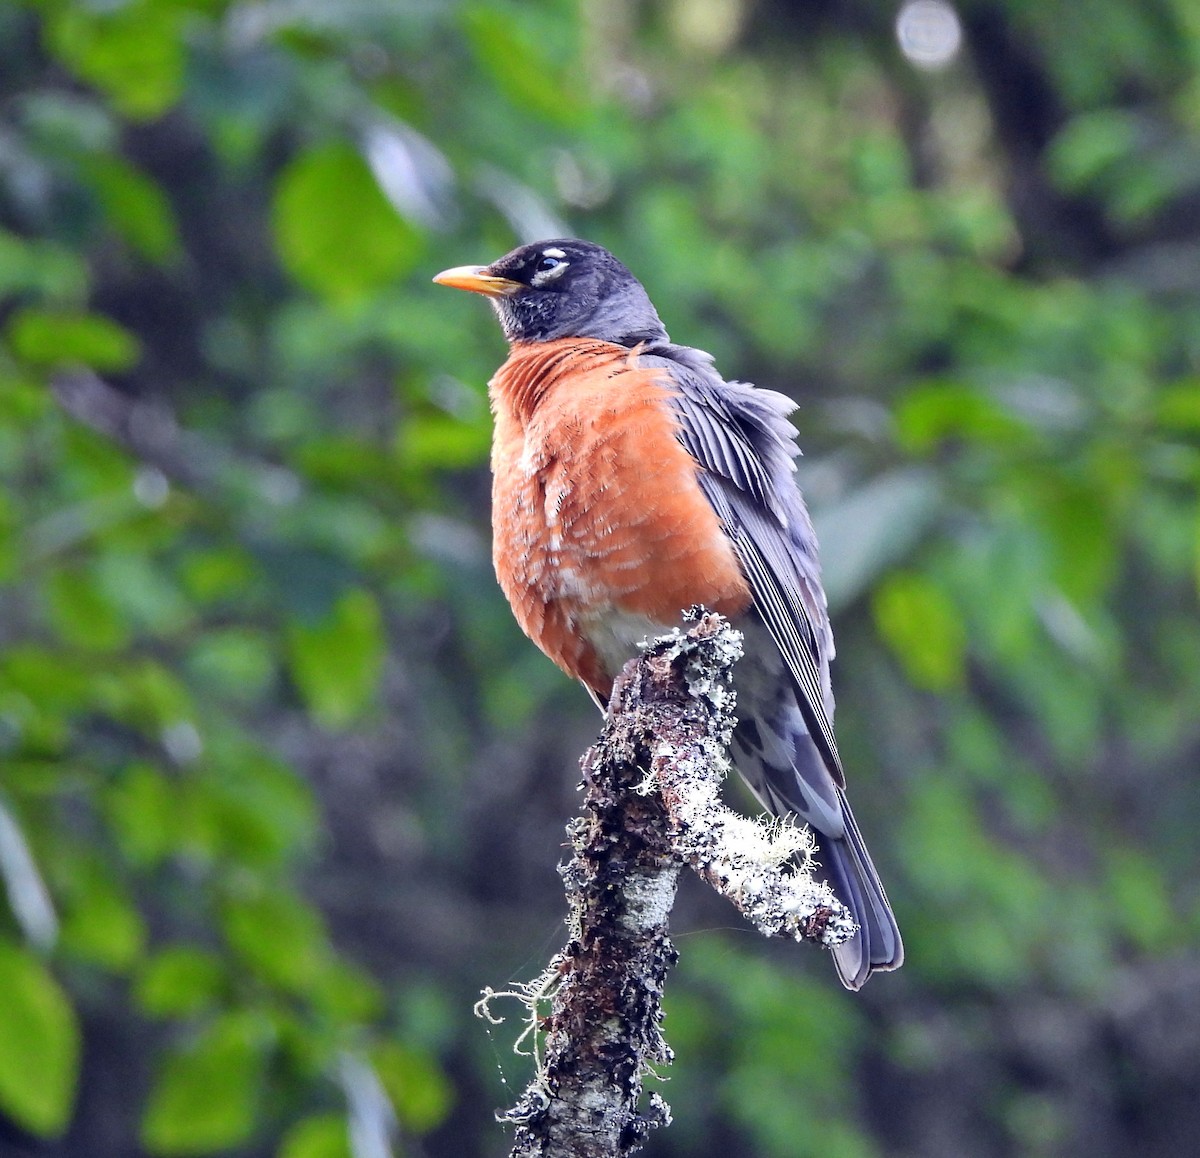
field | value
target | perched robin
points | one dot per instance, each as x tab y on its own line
630	482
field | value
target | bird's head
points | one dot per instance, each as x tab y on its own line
562	288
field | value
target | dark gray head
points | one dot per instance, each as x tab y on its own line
563	288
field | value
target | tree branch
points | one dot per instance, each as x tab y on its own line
652	805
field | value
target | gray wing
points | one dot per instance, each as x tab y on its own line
746	447
742	438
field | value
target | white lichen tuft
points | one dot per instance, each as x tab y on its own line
536	997
708	677
764	866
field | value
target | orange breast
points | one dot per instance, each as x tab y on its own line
597	515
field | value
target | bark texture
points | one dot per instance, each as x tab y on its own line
652	805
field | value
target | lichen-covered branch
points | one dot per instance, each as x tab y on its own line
652	805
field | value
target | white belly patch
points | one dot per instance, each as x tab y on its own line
615	635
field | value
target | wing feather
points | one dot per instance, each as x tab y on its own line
742	437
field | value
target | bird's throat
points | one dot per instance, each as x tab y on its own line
534	369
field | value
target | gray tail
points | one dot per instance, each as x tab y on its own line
847	866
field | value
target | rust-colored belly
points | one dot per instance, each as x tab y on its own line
599	523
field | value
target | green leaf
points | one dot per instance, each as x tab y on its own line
1178	406
1080	534
43	689
442	442
46	338
336	663
101	925
280	937
10	543
179	980
500	35
133	52
82	614
142	805
936	411
144	693
144	591
41	267
337	233
346	992
205	1098
947	814
923	628
136	207
320	1136
1090	146
39	1044
280	801
236	662
1141	901
1197	550
419	1090
255	812
224	573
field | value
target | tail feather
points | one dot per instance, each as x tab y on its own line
782	766
843	859
877	945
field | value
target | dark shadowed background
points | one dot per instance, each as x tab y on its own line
282	785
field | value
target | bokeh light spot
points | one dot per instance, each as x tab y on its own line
929	33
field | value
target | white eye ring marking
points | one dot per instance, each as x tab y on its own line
542	276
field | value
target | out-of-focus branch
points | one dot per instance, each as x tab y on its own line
652	805
152	433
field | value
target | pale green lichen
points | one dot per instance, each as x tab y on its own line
765	865
535	997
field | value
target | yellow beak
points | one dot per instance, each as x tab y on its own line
477	280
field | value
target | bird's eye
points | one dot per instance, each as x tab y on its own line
550	266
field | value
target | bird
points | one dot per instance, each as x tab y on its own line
630	482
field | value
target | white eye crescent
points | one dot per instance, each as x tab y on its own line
550	266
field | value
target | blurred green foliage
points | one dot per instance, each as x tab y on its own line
282	785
